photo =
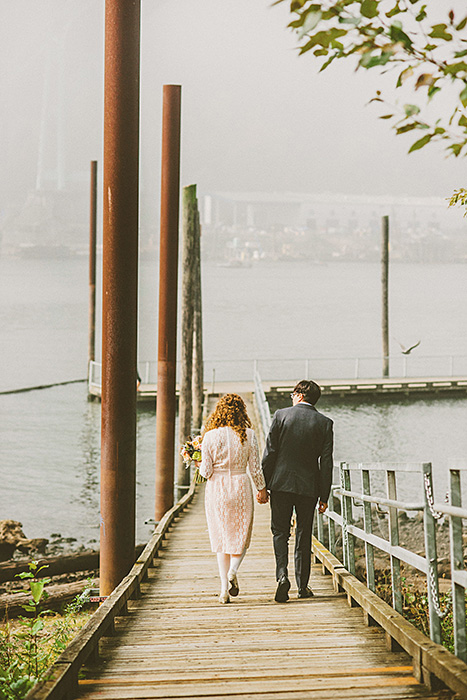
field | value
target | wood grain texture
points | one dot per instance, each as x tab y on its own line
177	641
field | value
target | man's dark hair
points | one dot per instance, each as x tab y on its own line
309	390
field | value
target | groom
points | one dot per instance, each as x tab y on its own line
297	466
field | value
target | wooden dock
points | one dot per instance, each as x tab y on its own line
163	634
342	388
177	641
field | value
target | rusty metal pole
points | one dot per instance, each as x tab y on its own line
120	287
385	293
92	264
168	280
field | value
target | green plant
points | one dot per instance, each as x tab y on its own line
27	650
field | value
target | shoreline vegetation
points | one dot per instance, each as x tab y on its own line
30	644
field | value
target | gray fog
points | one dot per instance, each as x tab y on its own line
256	117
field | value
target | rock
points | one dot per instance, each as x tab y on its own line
36	544
10	531
12	537
6	550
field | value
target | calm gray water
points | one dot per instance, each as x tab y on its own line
49	461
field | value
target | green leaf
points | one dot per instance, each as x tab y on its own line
37	626
37	588
25	575
395	10
438	31
420	143
387	116
463	96
459	54
463	120
311	20
369	8
455	68
323	38
410	110
406	73
462	24
432	90
370	61
397	34
422	14
430	47
350	20
456	148
405	128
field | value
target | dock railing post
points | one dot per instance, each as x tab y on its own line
168	283
394	541
331	525
120	291
457	562
348	538
369	552
431	554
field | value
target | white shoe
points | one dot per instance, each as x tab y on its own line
234	589
224	597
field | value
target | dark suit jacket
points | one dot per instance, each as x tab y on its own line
298	453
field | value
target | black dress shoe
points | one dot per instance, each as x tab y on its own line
305	593
282	591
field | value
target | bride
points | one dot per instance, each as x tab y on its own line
229	447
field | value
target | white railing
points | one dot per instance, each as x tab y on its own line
319	368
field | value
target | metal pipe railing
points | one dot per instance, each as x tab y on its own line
348	495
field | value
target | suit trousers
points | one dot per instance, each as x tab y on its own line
283	504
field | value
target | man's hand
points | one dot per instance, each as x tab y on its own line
262	496
322	507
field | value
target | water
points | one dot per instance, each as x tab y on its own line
49	461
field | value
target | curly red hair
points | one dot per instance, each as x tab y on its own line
230	411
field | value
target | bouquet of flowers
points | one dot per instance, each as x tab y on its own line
191	452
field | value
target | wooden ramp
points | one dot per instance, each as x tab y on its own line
177	641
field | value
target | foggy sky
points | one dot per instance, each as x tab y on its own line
255	116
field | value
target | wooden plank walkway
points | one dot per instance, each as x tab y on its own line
177	641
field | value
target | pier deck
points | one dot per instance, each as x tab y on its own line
397	386
177	641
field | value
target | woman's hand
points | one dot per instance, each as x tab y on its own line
262	496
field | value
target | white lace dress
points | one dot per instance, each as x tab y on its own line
229	495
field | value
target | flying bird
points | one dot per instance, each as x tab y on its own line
407	351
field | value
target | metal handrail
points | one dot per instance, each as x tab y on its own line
381	501
426	564
262	404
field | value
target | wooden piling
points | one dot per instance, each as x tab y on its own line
92	264
190	209
198	360
385	293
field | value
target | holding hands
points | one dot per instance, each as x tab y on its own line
262	496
